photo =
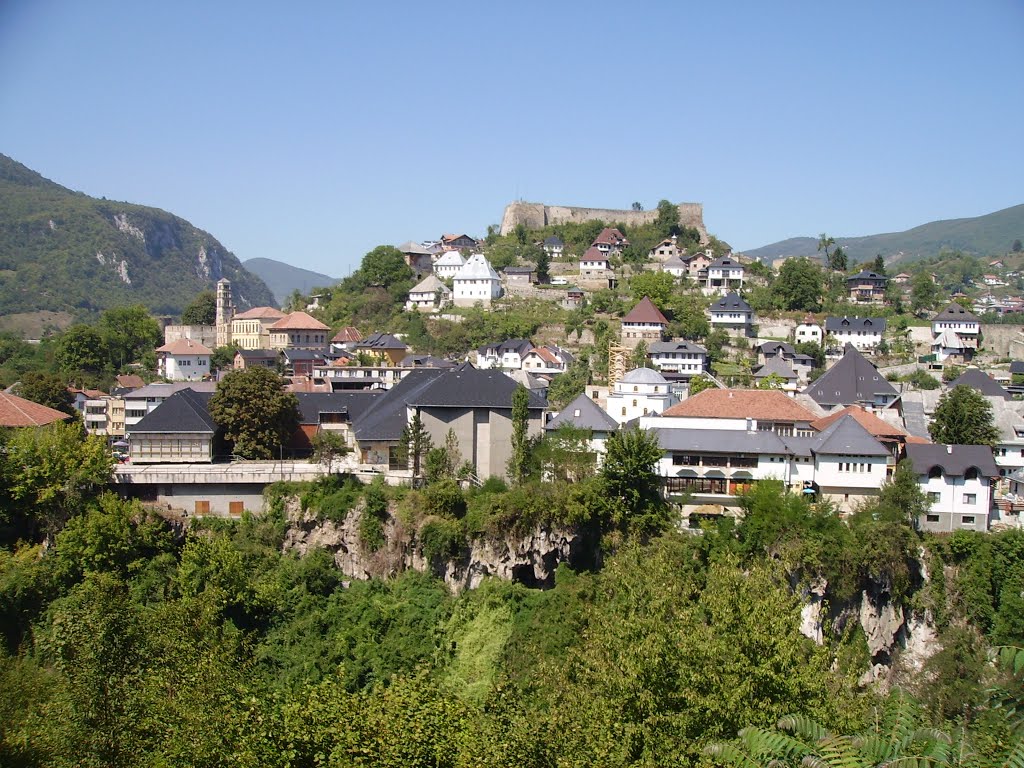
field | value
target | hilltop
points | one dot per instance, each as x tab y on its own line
63	251
283	279
991	234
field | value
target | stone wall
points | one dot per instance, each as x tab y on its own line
1003	340
538	215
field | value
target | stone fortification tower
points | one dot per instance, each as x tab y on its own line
225	311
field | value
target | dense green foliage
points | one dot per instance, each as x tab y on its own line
63	250
255	412
963	417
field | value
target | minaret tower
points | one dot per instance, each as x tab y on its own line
225	311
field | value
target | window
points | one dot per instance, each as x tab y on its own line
967	520
934	497
932	518
623	410
970	498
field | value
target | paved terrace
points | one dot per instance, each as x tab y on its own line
235	472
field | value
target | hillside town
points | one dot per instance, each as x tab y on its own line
828	404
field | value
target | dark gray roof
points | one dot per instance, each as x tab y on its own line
851	380
519	270
585	414
977	379
184	411
731	302
676	346
954	311
425	361
874	324
312	404
953	459
380	341
258	354
865	274
725	261
775	366
769	348
302	354
1017	366
385	418
469	387
553	240
522	346
846	437
733	441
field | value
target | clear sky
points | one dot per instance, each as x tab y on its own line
311	132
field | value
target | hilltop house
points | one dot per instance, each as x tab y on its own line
954	319
418	257
611	240
475	282
383	348
554	246
867	287
448	264
429	295
644	322
732	314
684	358
853	380
547	360
676	266
807	330
665	251
594	263
183	360
724	274
507	355
452	242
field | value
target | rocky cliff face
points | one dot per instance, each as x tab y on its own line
529	560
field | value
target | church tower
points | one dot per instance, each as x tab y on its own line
225	311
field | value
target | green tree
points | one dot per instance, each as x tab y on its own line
638	357
566	454
837	261
657	286
772	381
128	333
223	357
543	267
328	446
800	285
878	266
963	417
519	464
630	474
49	389
689	316
55	469
667	221
715	343
824	243
698	384
811	349
415	443
566	386
80	348
202	310
255	412
924	293
901	498
384	266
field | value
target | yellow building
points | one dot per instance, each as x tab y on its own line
251	329
298	330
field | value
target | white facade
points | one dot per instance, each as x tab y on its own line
861	339
956	502
187	367
678	358
641	392
475	281
806	331
449	264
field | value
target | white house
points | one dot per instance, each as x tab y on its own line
428	295
183	360
958	482
476	281
640	392
448	264
507	355
964	324
676	266
732	314
808	330
644	322
554	246
547	360
864	333
724	274
682	357
144	400
594	263
665	250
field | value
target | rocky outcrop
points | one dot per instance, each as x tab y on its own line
531	559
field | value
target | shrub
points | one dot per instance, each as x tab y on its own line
444	498
375	512
442	539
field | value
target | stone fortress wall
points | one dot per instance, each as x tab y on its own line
537	215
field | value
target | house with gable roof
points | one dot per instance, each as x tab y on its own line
808	330
644	322
384	347
418	257
183	360
448	264
867	287
547	360
611	240
676	266
686	359
724	274
977	379
594	264
179	431
429	295
507	355
554	246
251	329
853	380
665	251
583	413
16	412
475	282
299	330
955	319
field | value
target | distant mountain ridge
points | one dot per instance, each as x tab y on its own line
62	250
283	279
991	234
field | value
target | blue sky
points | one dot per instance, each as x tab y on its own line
311	132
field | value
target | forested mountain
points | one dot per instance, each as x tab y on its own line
994	233
63	250
283	279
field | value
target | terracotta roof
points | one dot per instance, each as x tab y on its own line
260	313
129	381
593	254
185	347
18	412
645	312
611	236
298	321
348	333
765	405
874	425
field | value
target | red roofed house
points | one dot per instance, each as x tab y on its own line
452	242
183	360
251	329
299	330
18	412
611	240
594	263
644	322
763	410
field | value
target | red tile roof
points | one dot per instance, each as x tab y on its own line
18	412
611	236
348	333
185	347
593	254
875	426
260	313
129	381
298	321
764	405
645	312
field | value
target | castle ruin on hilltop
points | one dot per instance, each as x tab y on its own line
538	215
